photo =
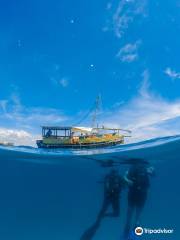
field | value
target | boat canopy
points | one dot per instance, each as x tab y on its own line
56	128
73	129
82	129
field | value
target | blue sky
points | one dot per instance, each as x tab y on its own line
57	56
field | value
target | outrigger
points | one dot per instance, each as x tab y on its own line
80	137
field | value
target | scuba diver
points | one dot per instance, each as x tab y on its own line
113	184
137	178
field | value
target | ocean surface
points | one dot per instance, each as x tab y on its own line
56	195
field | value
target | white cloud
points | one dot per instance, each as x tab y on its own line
18	137
64	82
14	115
125	14
147	115
172	74
3	104
109	6
129	52
13	109
144	89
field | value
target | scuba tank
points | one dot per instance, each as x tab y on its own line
112	184
140	178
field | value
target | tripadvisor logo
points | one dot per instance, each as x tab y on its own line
139	231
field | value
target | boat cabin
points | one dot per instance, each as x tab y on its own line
57	132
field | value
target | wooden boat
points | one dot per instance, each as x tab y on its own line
80	137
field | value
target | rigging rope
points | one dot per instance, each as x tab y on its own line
85	116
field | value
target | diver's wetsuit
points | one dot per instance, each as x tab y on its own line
137	194
113	184
138	191
112	189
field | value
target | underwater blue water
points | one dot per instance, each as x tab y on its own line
55	195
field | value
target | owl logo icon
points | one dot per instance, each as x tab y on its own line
139	231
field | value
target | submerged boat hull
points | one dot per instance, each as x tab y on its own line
40	144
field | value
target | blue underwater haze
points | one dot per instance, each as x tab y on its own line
54	194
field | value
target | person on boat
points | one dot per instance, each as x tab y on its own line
113	184
49	133
138	180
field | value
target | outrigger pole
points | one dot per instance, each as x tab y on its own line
116	129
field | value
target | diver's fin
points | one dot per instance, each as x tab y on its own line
126	232
89	234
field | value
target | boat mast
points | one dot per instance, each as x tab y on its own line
96	111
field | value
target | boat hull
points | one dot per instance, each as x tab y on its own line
40	144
